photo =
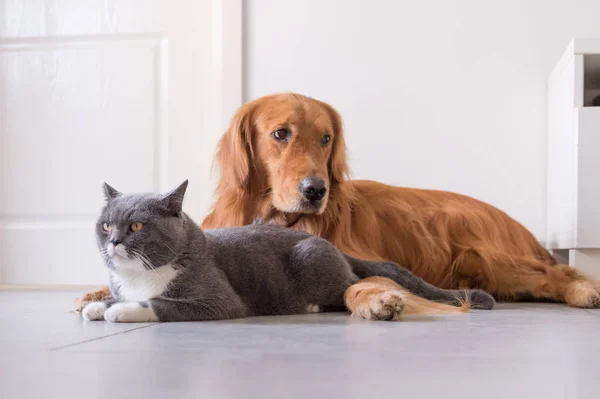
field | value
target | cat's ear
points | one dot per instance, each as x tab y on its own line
110	193
174	200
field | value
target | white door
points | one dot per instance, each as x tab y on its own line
133	93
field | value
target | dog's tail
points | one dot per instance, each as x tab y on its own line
421	297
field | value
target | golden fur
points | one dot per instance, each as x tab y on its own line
379	298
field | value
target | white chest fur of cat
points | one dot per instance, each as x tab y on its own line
137	283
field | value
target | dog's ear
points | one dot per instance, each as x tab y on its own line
235	153
338	165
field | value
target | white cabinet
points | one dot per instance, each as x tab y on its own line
573	170
574	148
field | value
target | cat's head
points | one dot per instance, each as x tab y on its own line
141	227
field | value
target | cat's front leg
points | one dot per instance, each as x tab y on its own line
130	312
215	308
161	309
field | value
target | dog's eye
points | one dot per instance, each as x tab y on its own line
325	140
281	135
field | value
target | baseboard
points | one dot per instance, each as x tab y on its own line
46	287
586	260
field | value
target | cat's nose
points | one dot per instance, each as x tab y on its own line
115	242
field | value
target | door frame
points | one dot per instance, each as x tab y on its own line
228	54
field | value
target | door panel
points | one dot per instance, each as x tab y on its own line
120	92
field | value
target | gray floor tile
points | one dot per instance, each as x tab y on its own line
517	350
34	320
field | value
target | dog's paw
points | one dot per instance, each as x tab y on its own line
96	296
480	299
583	294
388	305
130	312
94	311
313	309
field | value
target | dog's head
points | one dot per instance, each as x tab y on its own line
288	147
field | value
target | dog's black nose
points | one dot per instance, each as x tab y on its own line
313	189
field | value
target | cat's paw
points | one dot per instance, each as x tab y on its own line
388	305
130	312
94	311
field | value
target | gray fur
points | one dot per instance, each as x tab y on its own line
240	272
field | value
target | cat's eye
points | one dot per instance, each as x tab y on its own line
136	226
107	227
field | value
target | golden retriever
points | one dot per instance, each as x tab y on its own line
283	161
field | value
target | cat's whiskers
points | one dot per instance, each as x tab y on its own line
170	249
144	258
150	266
104	253
141	256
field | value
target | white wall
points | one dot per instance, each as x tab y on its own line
434	93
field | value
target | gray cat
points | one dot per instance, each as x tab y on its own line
163	267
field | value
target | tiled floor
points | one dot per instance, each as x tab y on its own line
515	351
